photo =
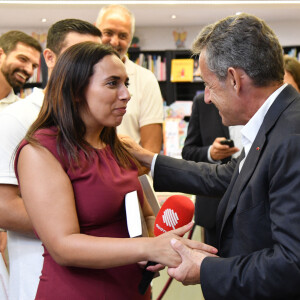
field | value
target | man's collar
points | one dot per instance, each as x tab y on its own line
10	98
251	129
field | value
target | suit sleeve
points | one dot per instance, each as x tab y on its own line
273	272
178	175
194	149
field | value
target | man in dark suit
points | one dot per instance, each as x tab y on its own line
258	218
203	143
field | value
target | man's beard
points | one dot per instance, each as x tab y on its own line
120	50
11	79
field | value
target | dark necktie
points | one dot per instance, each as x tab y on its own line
241	159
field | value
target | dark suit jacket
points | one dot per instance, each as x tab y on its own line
204	126
259	215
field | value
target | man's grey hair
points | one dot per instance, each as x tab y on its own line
242	41
119	8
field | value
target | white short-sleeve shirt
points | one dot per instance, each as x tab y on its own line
145	106
25	253
8	100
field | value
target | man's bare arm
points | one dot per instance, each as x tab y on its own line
13	215
151	137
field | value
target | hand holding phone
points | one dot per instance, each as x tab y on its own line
228	142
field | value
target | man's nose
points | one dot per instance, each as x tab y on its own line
114	41
29	69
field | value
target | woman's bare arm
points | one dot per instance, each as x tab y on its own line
49	200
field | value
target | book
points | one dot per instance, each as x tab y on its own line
174	134
136	224
149	192
182	70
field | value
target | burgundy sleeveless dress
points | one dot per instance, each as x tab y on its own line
99	189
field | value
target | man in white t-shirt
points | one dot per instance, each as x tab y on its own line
19	57
144	116
25	251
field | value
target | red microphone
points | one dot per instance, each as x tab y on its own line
177	211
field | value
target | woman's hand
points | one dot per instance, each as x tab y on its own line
163	253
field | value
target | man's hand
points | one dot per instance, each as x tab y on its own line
188	272
144	156
219	151
170	257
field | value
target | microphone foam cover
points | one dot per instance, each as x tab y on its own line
177	211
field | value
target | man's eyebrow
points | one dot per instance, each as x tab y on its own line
113	77
22	55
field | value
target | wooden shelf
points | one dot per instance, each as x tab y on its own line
171	91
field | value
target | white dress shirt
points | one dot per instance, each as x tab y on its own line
250	130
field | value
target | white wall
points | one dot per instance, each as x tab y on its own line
287	32
26	30
161	38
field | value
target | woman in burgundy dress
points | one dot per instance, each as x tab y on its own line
74	174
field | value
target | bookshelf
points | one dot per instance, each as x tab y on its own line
293	51
159	62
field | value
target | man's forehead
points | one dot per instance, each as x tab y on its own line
116	15
116	21
21	47
73	38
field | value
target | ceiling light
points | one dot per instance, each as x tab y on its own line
173	17
44	20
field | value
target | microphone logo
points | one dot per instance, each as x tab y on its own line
170	218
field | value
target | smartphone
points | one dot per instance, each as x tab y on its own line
228	142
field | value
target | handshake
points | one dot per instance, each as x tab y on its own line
177	212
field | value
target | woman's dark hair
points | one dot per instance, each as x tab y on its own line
65	95
292	65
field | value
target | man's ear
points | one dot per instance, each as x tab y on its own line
234	79
2	54
50	58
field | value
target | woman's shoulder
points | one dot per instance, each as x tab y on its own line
45	133
47	137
